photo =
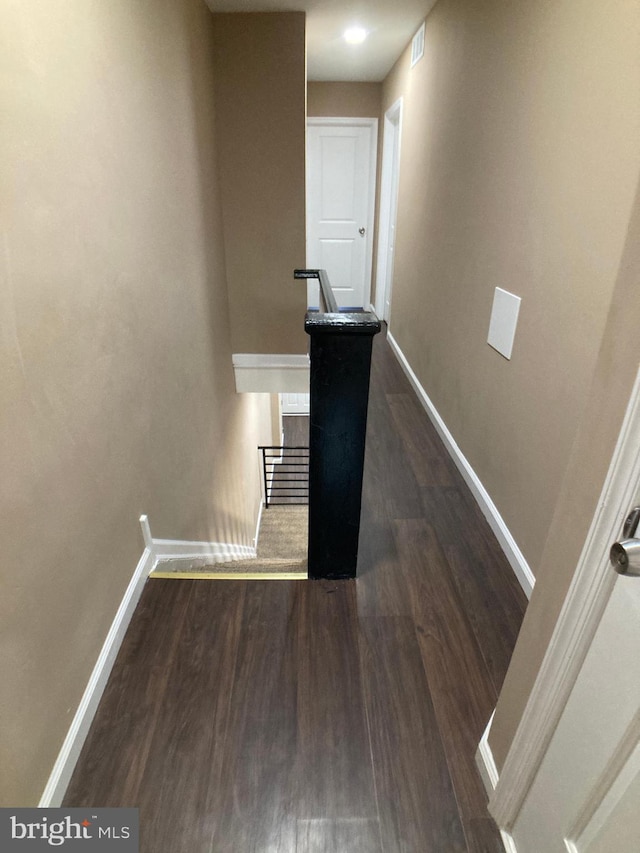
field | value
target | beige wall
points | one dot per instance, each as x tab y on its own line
117	387
260	104
600	425
519	169
519	164
355	100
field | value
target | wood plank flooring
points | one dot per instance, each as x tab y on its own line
317	717
296	430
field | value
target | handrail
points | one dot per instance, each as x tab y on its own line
332	318
326	291
340	350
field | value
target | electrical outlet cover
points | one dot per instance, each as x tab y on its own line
504	319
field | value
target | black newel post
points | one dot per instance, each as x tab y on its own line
340	365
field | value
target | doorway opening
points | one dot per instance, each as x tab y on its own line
389	183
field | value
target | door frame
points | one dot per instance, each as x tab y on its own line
588	595
387	217
372	124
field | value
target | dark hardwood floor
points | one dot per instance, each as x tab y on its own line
317	717
296	430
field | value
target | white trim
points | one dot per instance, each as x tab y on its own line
489	774
271	373
372	123
146	532
156	550
258	523
267	360
67	757
502	533
387	215
588	594
507	842
371	222
485	761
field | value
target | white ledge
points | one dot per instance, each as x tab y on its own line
271	373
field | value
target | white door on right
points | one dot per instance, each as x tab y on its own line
586	794
340	197
389	185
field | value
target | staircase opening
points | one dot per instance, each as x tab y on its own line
312	484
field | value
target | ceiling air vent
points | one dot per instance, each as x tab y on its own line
417	46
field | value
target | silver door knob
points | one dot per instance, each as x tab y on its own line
362	231
625	557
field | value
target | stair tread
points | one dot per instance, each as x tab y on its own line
254	564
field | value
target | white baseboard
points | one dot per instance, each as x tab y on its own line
489	774
507	841
502	533
156	551
213	552
179	549
258	523
74	741
485	763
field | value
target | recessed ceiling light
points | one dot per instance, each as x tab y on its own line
355	35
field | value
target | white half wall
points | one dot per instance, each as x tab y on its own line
271	373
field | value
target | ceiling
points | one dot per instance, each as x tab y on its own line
390	23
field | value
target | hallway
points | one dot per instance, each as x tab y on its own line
316	717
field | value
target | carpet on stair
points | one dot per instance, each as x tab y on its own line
282	547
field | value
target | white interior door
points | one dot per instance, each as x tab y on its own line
341	156
585	796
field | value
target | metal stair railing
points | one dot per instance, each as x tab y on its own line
285	472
